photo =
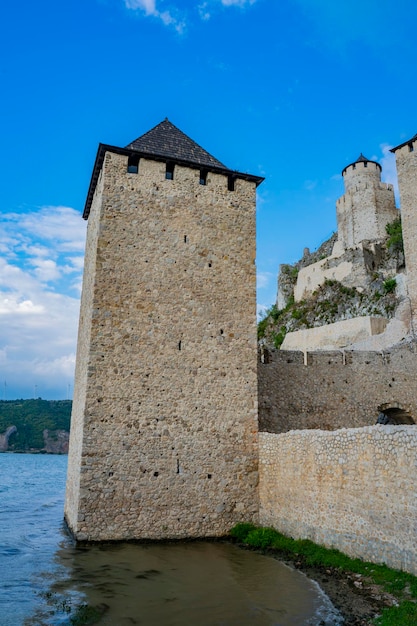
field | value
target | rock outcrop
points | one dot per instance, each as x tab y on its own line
56	441
4	438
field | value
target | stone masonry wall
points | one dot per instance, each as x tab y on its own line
164	432
363	211
334	389
72	495
352	489
406	159
357	174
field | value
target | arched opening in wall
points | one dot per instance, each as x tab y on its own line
394	413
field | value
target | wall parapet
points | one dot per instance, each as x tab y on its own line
334	389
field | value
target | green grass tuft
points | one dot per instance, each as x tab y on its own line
241	531
394	581
403	615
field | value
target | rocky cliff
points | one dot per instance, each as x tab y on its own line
4	438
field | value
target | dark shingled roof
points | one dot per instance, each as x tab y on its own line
168	141
361	159
164	142
404	143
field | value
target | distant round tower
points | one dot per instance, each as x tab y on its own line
362	171
406	159
367	206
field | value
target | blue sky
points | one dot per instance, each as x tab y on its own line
292	90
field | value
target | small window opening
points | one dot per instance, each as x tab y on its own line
209	264
221	331
185	238
133	164
169	172
209	476
354	166
179	345
365	164
203	177
230	183
410	147
178	466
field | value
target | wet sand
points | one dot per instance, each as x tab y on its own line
358	599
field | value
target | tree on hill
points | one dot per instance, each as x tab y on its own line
31	418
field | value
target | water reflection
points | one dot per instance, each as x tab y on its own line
202	583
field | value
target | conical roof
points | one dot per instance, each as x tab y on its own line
168	141
361	159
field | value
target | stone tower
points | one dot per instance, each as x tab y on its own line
164	425
406	160
367	205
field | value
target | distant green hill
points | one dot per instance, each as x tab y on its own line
31	417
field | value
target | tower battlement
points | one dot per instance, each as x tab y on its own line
367	205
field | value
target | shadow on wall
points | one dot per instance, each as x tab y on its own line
393	414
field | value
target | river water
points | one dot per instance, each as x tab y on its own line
47	581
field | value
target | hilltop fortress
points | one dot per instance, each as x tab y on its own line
358	259
166	439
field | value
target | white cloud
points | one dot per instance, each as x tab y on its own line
40	279
389	170
309	185
262	279
146	5
203	11
46	270
14	306
173	17
237	3
149	8
60	225
261	310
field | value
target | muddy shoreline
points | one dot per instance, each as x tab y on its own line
358	599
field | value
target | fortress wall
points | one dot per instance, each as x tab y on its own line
386	209
335	389
313	276
364	210
82	369
406	159
332	336
169	400
363	215
345	231
352	489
